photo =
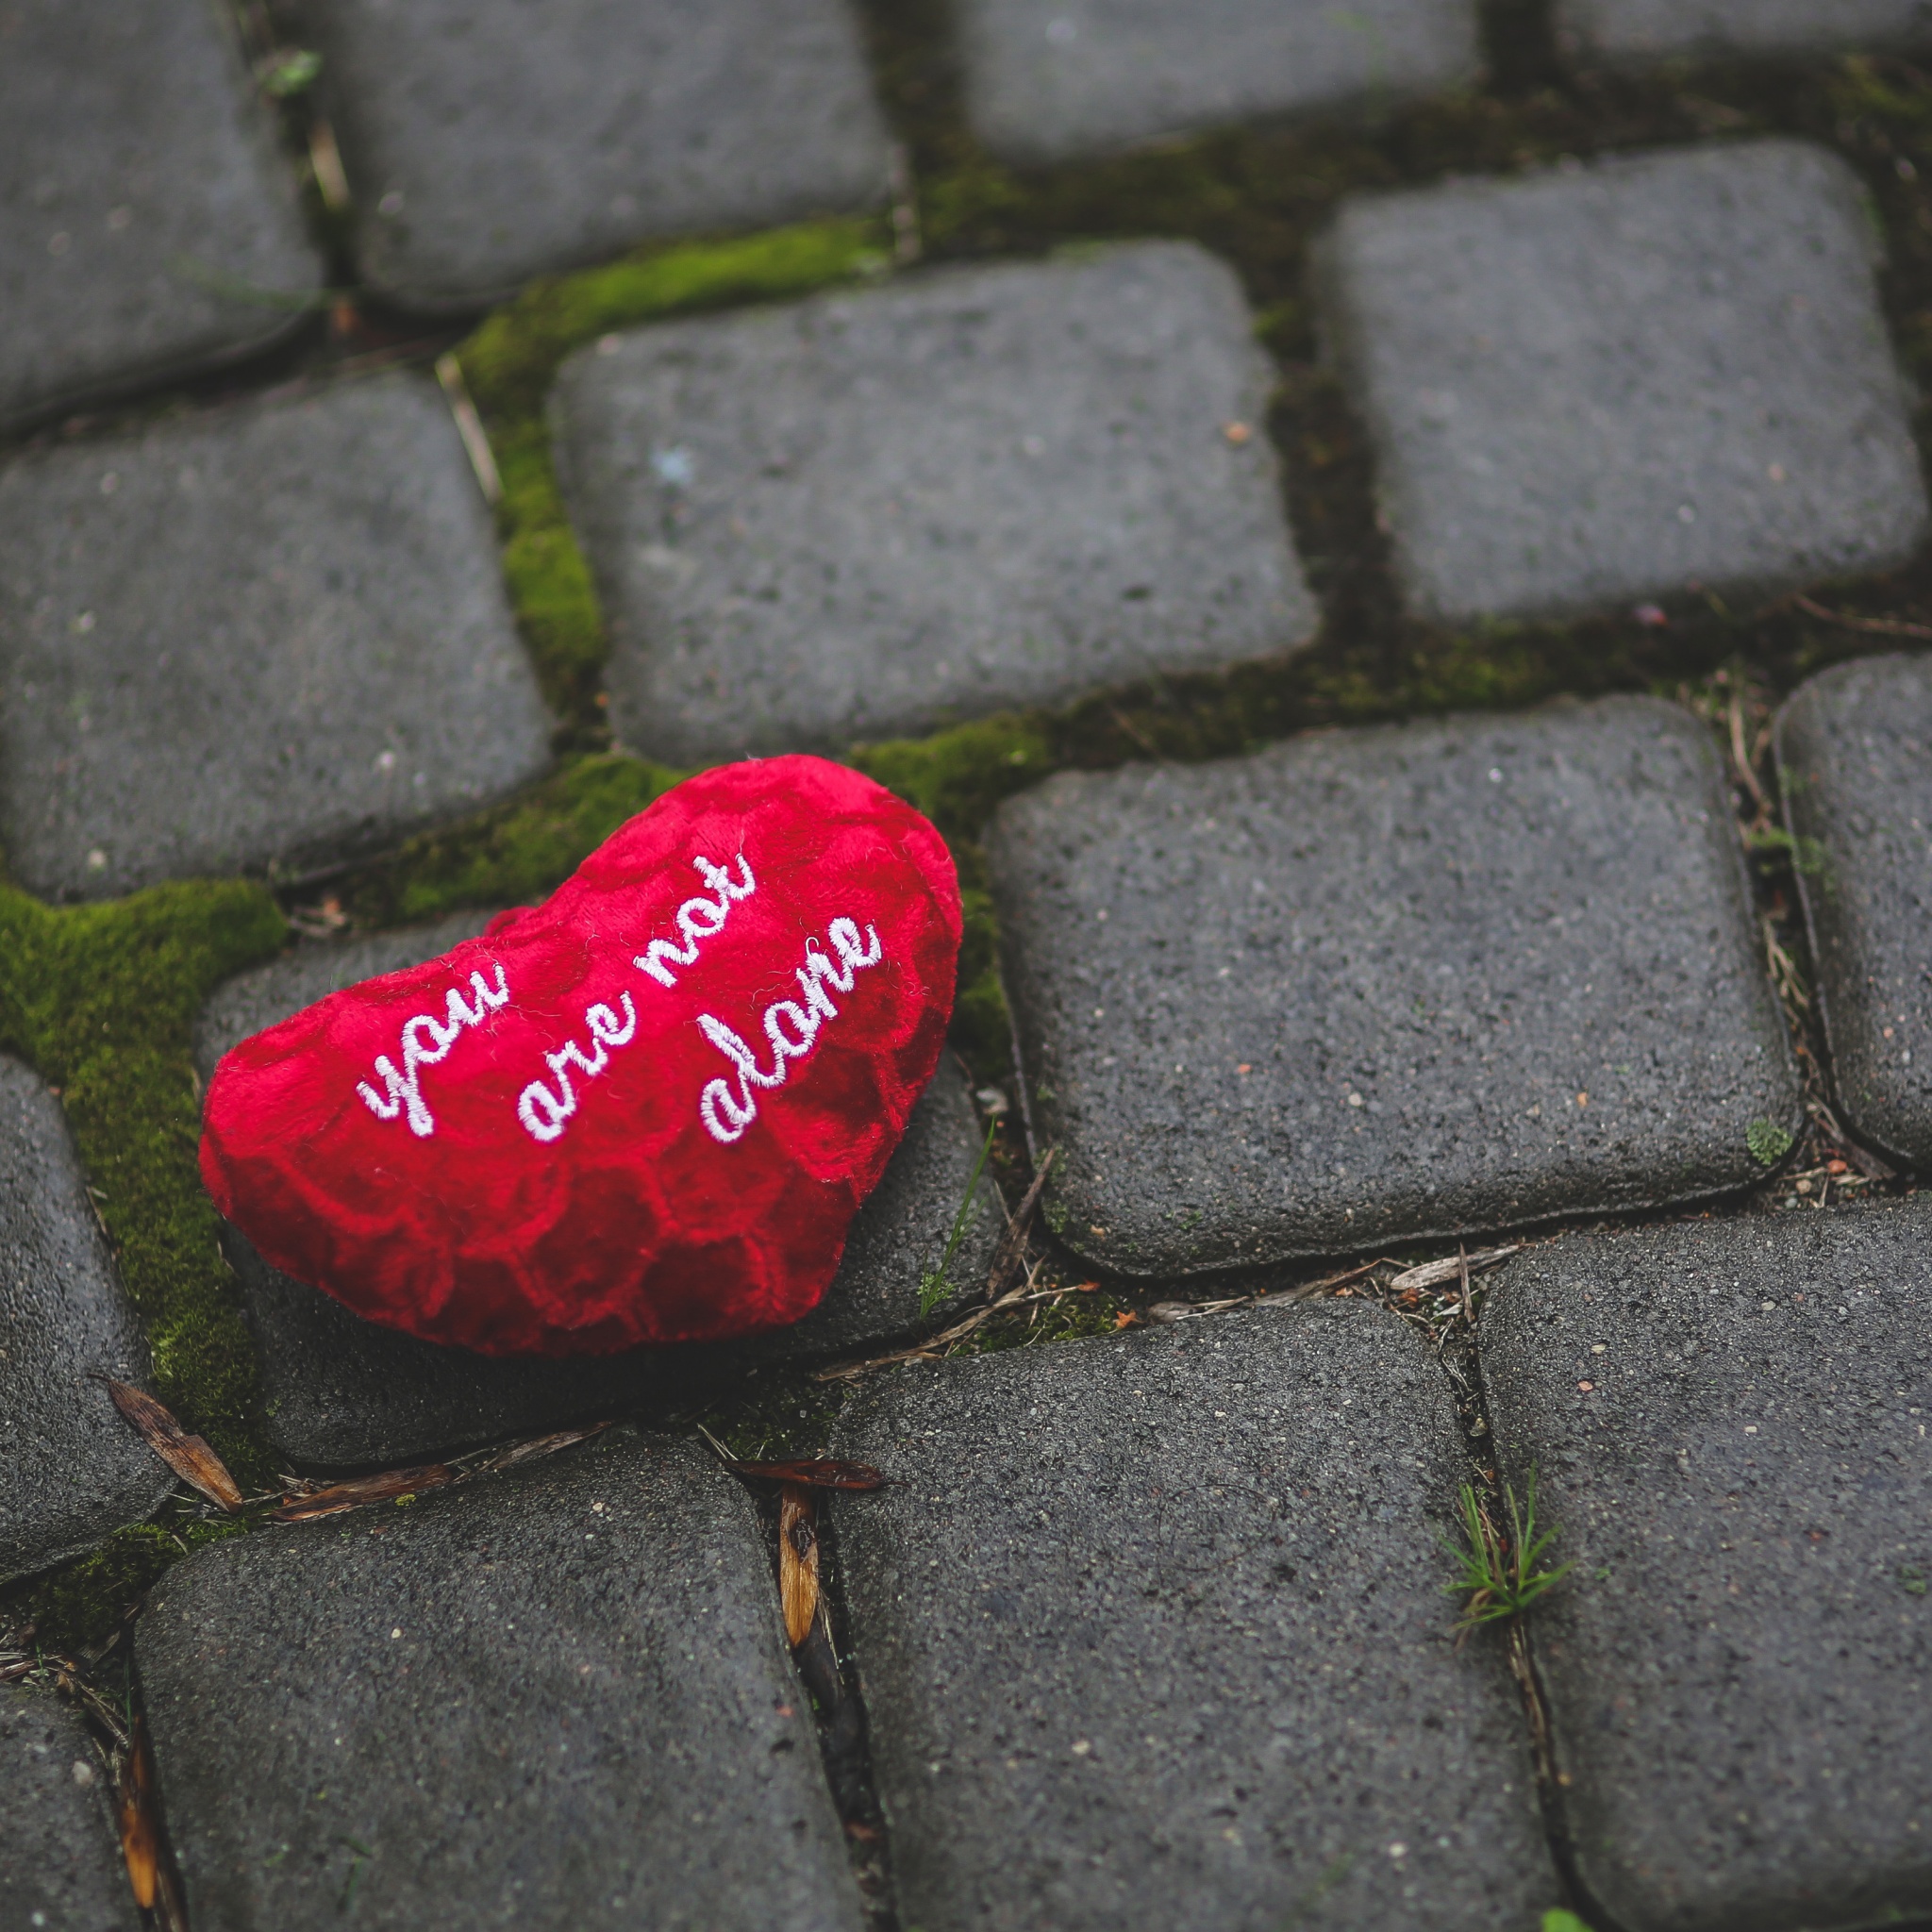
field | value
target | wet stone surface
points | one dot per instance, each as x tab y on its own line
1048	79
1728	1421
343	1391
1151	1633
143	207
60	1864
871	512
489	142
71	1469
270	635
1855	766
1373	985
1594	386
1647	29
558	1697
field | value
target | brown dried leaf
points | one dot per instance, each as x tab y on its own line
139	1840
1433	1274
364	1489
798	1561
188	1456
815	1472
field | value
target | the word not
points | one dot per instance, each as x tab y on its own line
697	919
542	1112
792	1029
426	1041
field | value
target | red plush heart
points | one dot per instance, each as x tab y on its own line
644	1111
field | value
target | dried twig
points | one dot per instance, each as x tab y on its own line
534	1446
1462	1274
449	373
1430	1274
385	1488
188	1456
1877	626
1010	1254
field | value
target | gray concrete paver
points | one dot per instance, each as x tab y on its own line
488	141
876	511
1047	80
71	1469
1370	986
1626	380
1652	29
269	635
1728	1421
1855	768
343	1391
558	1697
147	222
1151	1633
60	1865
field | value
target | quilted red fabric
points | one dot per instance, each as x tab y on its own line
644	1111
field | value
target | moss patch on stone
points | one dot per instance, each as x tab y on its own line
509	362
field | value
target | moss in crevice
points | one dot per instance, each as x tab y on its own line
101	1000
509	363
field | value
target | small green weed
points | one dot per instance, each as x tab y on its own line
1561	1920
933	1284
1500	1577
1767	1141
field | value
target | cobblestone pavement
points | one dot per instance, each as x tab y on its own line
1393	544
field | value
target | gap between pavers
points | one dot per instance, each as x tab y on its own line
1645	31
1047	80
70	1470
268	634
148	225
1648	376
558	1697
343	1392
487	141
60	1865
1727	1419
1152	1632
1375	986
876	511
1855	770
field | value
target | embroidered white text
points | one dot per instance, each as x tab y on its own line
426	1041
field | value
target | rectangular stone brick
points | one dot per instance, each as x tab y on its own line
343	1391
1648	29
1728	1421
488	141
1626	380
869	513
1151	1634
147	223
1050	79
1854	765
1372	986
555	1698
265	636
71	1471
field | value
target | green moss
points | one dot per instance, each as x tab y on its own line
510	361
77	1605
102	1000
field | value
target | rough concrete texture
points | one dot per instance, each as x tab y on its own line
60	1865
871	512
71	1469
1151	1633
1645	30
1622	381
262	636
1728	1419
558	1698
489	142
343	1392
143	209
1373	985
1854	765
1047	79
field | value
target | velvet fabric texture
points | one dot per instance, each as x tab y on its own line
644	1111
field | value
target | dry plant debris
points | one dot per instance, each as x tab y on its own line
188	1456
798	1561
390	1486
813	1472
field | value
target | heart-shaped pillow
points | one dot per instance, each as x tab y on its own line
644	1111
